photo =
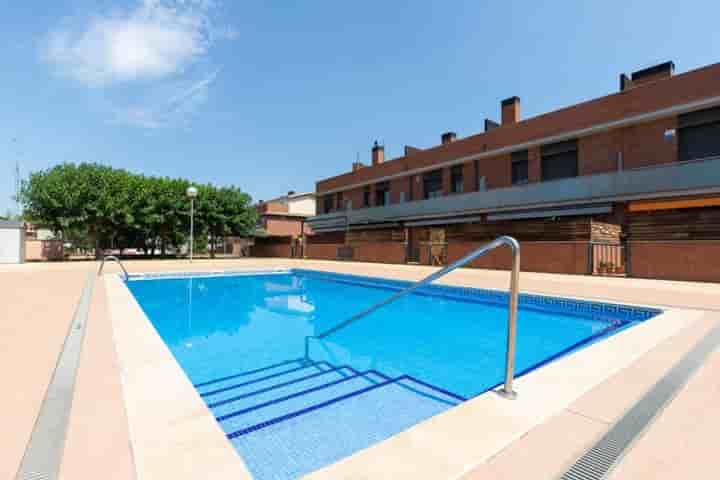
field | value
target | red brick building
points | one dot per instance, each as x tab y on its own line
628	183
282	225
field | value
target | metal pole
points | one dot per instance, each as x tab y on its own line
192	214
507	390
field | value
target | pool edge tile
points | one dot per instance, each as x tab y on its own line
445	447
162	438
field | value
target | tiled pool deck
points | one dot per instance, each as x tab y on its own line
38	301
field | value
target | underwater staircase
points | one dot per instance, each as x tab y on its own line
274	410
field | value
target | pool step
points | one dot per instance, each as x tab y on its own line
270	409
249	401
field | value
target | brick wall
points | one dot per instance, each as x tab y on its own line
496	171
322	251
283	226
643	144
469	177
549	257
676	260
598	153
385	252
398	185
277	250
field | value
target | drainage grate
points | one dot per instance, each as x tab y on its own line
597	462
44	450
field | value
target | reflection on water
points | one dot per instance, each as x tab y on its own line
220	326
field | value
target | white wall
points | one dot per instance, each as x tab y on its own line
303	205
11	245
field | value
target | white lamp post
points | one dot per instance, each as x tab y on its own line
191	193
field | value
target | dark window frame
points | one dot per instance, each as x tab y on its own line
698	135
457	179
366	196
433	179
559	161
328	203
382	194
519	168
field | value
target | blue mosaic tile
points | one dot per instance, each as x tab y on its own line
609	312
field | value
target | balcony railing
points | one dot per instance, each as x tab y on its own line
656	181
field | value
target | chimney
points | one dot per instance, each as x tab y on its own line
625	82
357	166
448	137
647	75
490	125
510	108
409	150
378	154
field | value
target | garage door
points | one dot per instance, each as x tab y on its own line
11	245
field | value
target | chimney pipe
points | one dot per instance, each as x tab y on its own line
357	166
510	108
448	137
378	154
490	125
625	82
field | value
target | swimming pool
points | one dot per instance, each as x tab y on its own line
240	339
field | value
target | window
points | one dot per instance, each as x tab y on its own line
366	197
481	183
559	160
699	134
432	184
456	179
382	193
403	198
519	167
327	203
348	204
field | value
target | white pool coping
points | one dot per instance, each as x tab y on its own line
172	432
174	435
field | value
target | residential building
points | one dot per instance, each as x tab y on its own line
628	183
282	225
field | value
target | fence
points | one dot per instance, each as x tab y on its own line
608	258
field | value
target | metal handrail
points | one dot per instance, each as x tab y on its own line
507	390
114	259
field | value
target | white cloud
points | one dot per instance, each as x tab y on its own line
156	39
174	108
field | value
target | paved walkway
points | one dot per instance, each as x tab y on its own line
39	300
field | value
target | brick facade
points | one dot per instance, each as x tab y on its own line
676	260
639	144
549	257
637	127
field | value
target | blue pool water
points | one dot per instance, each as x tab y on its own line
240	339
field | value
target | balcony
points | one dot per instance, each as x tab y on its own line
697	176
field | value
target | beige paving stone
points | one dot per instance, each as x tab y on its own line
35	313
98	440
683	441
674	446
544	451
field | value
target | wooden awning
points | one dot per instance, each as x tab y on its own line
673	204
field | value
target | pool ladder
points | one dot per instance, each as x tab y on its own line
507	389
115	259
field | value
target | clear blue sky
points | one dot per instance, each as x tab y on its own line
271	97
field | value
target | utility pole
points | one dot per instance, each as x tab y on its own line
17	189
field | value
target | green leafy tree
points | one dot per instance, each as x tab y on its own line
119	209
